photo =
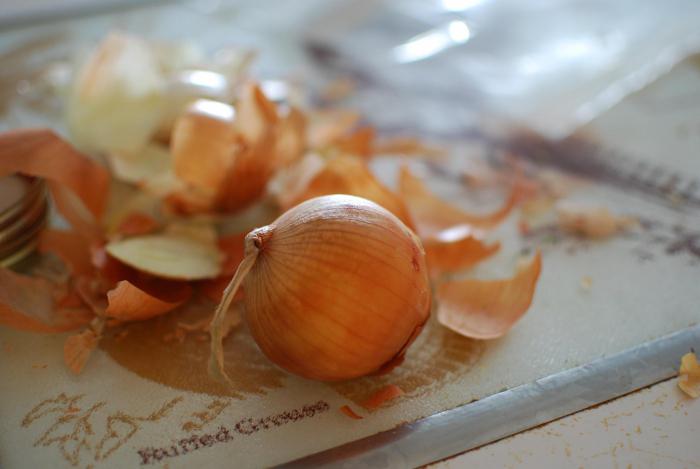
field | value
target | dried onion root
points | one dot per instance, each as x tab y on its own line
336	288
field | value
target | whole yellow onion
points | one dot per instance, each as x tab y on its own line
335	288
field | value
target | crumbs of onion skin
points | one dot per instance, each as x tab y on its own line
350	413
586	283
689	375
385	394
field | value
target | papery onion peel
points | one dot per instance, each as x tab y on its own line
487	309
128	302
78	348
456	249
689	375
431	215
169	255
347	174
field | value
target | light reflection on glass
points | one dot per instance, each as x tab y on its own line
432	42
459	5
215	109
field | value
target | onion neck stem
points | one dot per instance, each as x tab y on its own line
216	357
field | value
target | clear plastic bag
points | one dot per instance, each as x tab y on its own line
550	64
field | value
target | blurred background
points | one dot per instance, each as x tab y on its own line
551	64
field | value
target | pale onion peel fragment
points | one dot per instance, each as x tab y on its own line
431	215
128	302
348	174
456	249
169	255
140	165
595	222
217	327
77	349
117	99
487	309
78	184
382	396
30	303
689	375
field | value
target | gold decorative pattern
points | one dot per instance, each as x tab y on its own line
72	429
201	418
183	364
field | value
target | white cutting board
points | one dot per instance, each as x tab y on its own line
643	286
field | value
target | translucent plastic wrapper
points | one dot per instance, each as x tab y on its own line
551	64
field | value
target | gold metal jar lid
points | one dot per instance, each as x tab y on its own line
23	214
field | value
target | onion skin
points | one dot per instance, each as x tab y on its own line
339	288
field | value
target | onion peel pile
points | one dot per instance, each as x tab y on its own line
99	286
192	155
689	375
487	309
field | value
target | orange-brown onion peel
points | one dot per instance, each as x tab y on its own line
488	309
336	288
